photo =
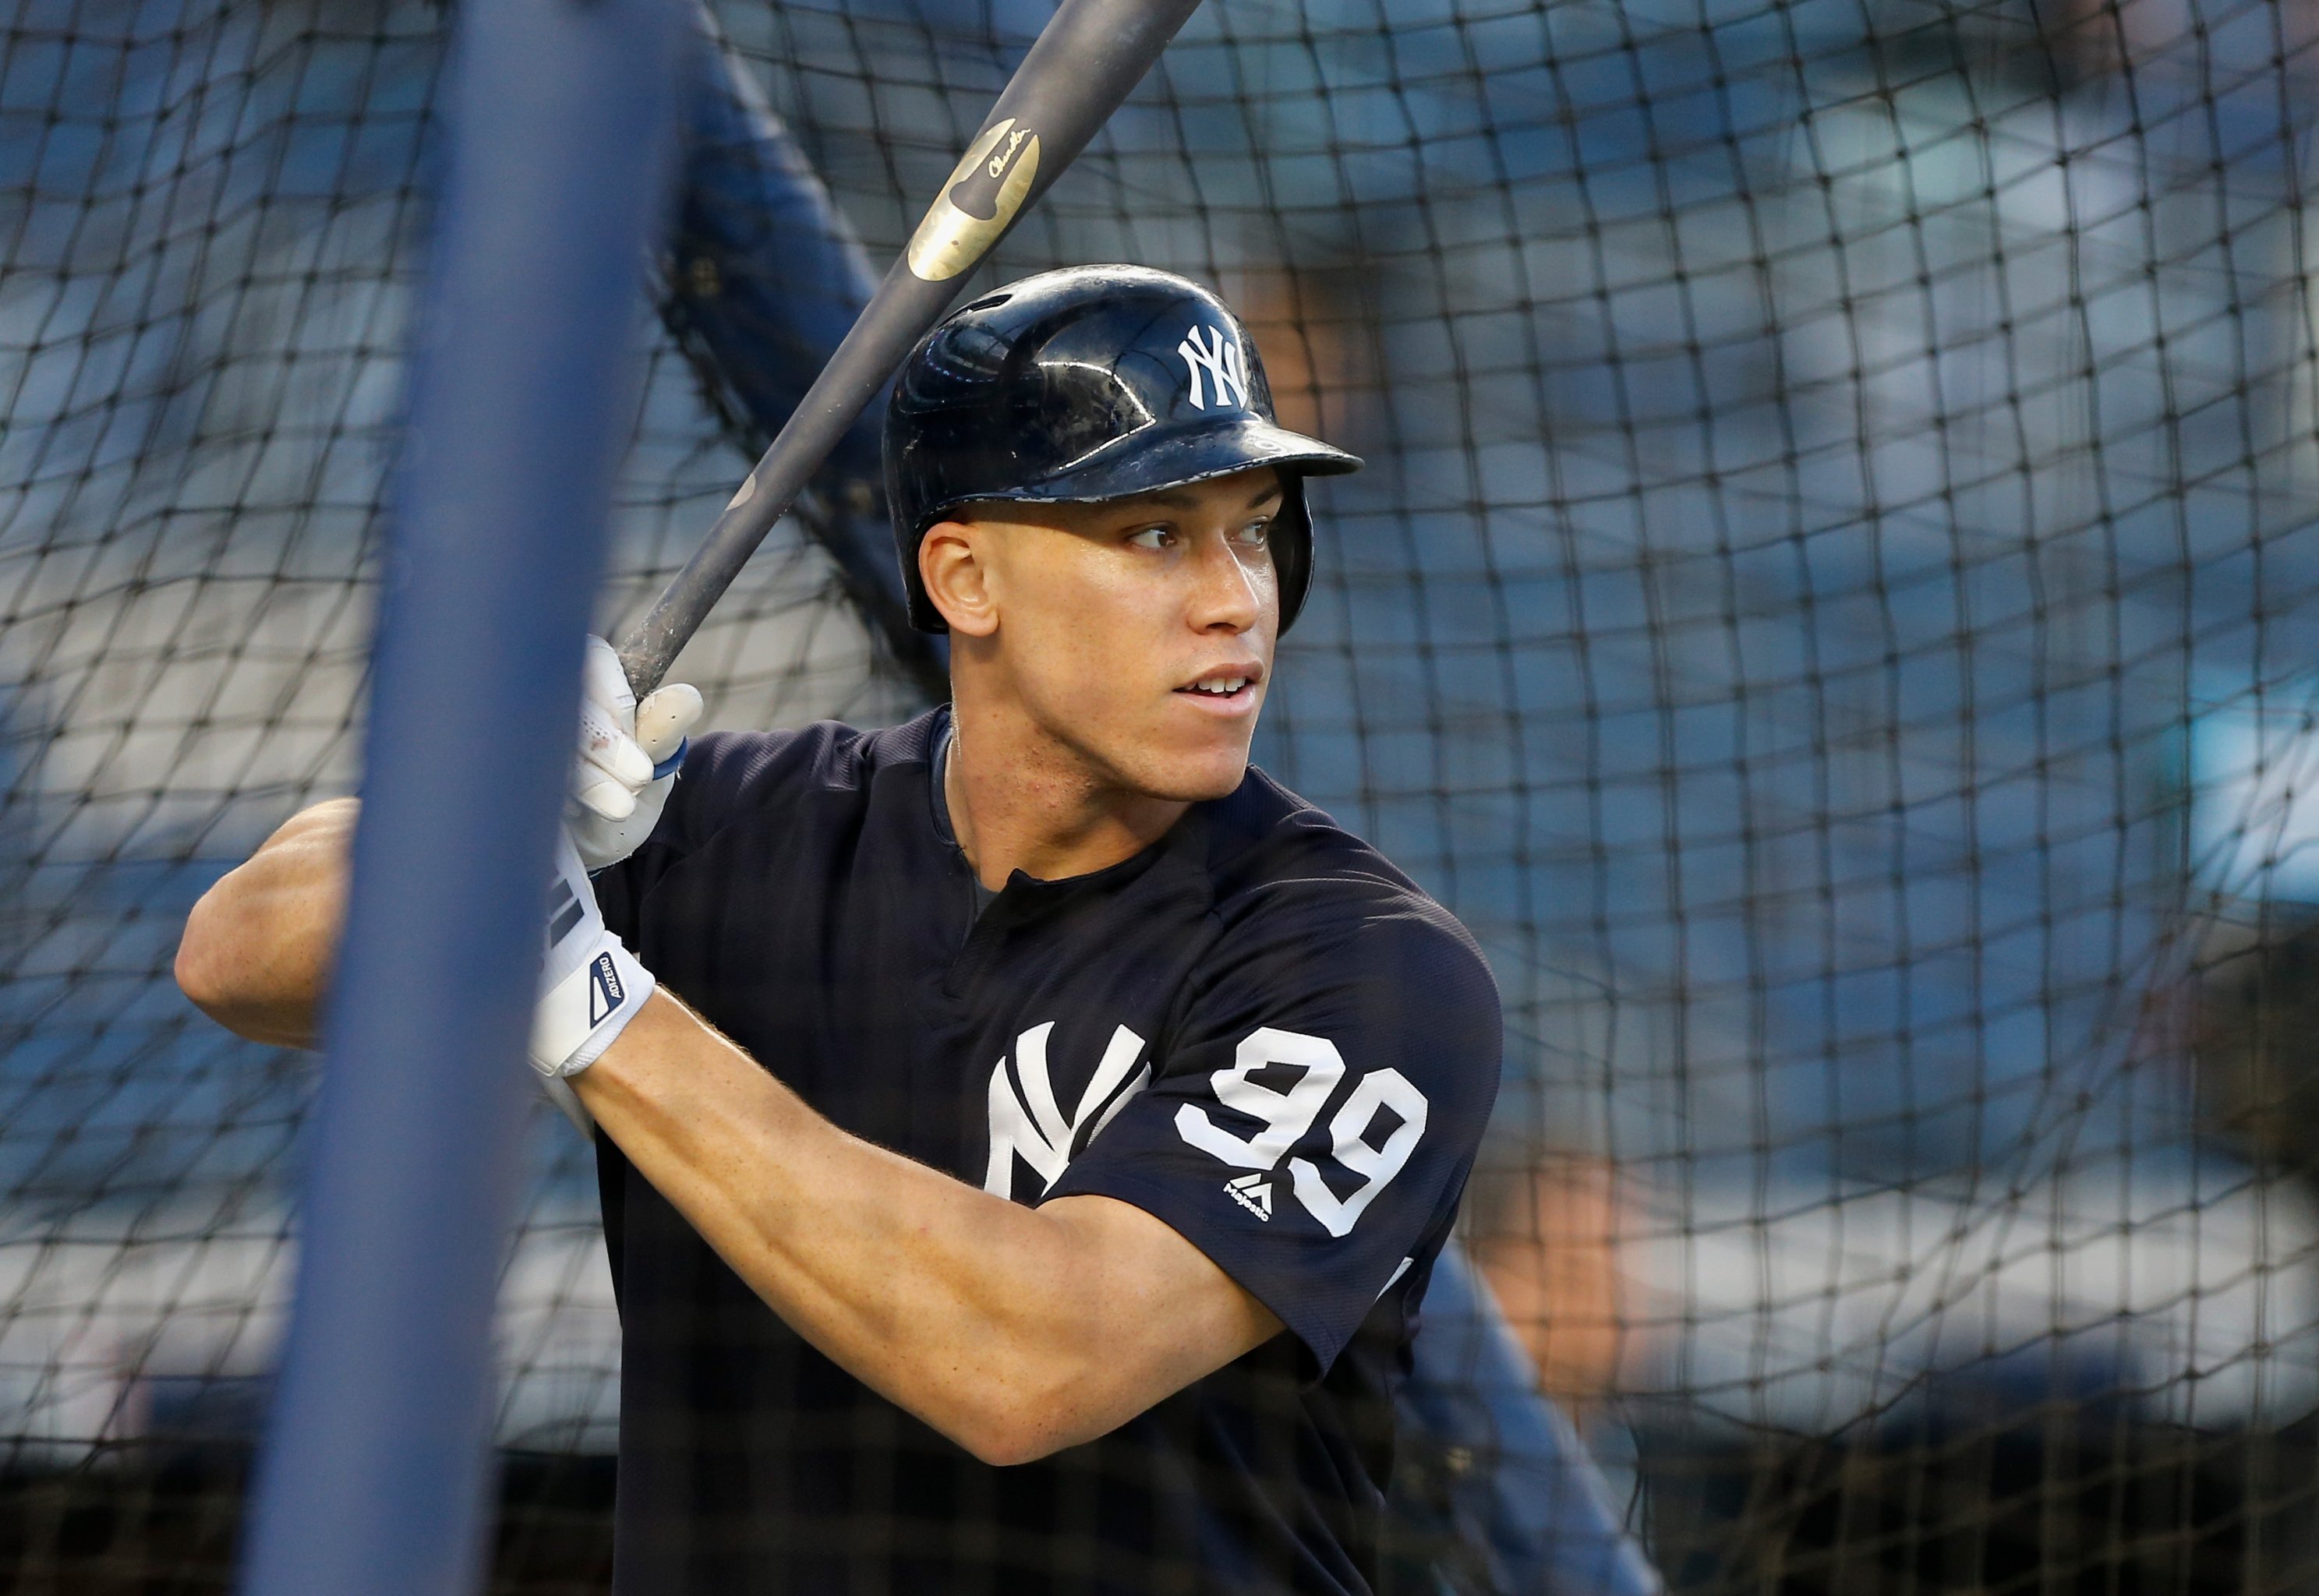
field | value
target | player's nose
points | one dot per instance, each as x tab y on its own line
1228	591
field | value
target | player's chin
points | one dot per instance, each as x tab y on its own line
1196	770
1217	782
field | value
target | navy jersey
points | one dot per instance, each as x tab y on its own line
1256	1030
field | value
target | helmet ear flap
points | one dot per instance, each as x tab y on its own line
1291	544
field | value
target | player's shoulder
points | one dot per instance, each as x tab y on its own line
1267	848
1285	874
733	776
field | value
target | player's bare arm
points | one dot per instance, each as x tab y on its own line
1013	1330
1016	1332
257	948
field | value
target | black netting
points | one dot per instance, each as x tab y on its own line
1834	606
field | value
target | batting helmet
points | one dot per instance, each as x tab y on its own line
1085	385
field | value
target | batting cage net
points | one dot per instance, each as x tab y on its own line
1833	605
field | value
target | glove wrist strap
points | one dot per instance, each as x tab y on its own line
581	1014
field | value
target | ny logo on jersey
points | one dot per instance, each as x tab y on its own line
1025	1121
1220	356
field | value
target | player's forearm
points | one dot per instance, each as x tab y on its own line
1015	1332
257	948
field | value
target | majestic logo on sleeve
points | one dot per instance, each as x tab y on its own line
1370	1136
1219	355
1252	1192
1027	1124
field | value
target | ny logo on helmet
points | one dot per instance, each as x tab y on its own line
1220	356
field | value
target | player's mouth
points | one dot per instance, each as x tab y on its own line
1233	690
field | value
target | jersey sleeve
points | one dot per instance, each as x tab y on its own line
1312	1123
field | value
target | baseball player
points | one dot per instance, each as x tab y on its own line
1024	1133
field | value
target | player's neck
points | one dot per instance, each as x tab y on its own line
1017	801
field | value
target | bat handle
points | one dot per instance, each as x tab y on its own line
852	379
647	652
652	645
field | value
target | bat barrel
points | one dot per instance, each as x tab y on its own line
1086	61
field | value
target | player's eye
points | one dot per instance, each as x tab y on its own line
1154	538
1255	533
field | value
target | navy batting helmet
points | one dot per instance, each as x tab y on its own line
1080	385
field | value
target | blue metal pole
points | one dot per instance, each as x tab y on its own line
561	129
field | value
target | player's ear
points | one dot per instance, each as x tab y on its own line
957	578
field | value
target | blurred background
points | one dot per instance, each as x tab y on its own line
1833	605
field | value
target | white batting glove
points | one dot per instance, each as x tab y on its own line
628	755
589	986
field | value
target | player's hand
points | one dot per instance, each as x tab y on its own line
590	985
628	755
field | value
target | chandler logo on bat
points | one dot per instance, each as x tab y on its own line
982	196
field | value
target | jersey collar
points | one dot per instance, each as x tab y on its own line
1181	851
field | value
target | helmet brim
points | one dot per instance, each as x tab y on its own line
1156	460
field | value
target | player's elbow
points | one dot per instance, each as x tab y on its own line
206	965
1005	1437
237	966
214	971
1055	1402
222	956
1004	1446
257	947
